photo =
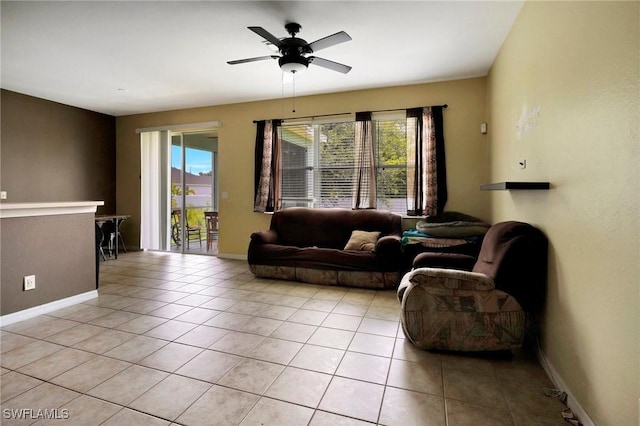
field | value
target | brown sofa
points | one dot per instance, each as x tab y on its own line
308	245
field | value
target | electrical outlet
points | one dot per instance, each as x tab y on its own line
3	195
29	282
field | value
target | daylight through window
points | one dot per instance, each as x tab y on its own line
318	164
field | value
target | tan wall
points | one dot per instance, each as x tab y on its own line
579	62
466	148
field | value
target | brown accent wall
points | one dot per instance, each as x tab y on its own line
55	152
58	250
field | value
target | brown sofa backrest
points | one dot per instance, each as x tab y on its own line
330	227
514	254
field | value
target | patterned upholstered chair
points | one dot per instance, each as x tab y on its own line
485	308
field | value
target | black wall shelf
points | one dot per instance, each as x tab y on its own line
515	185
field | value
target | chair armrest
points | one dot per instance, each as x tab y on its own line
462	262
450	279
265	237
389	244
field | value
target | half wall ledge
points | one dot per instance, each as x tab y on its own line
8	210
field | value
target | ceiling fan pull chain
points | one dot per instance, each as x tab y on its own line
293	95
282	96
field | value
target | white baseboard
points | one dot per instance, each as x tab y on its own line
47	307
232	256
560	384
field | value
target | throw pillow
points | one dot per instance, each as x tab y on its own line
362	240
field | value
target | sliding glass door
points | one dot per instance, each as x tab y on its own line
194	192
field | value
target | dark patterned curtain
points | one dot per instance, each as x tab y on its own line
426	169
267	178
364	176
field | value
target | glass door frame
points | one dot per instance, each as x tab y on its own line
183	189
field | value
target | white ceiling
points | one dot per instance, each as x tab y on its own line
121	58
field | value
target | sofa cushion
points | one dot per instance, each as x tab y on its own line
320	258
362	240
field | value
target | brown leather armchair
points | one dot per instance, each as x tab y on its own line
446	306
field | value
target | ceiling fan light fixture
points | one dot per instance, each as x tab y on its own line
293	65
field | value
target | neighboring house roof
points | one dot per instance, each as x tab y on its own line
189	178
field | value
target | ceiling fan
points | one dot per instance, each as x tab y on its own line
294	51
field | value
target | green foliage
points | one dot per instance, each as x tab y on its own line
337	156
392	142
337	159
176	190
195	215
391	159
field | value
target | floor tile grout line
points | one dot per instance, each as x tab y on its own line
509	405
386	381
132	409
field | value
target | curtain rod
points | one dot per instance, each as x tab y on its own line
445	106
189	126
311	116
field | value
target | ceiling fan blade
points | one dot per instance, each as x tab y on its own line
329	41
325	63
266	35
259	58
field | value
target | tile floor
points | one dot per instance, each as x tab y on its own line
197	247
198	340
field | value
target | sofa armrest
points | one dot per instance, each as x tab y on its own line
445	280
265	237
462	262
450	279
389	244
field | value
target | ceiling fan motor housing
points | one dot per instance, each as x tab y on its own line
293	50
294	46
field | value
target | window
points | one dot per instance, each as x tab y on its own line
390	141
318	164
